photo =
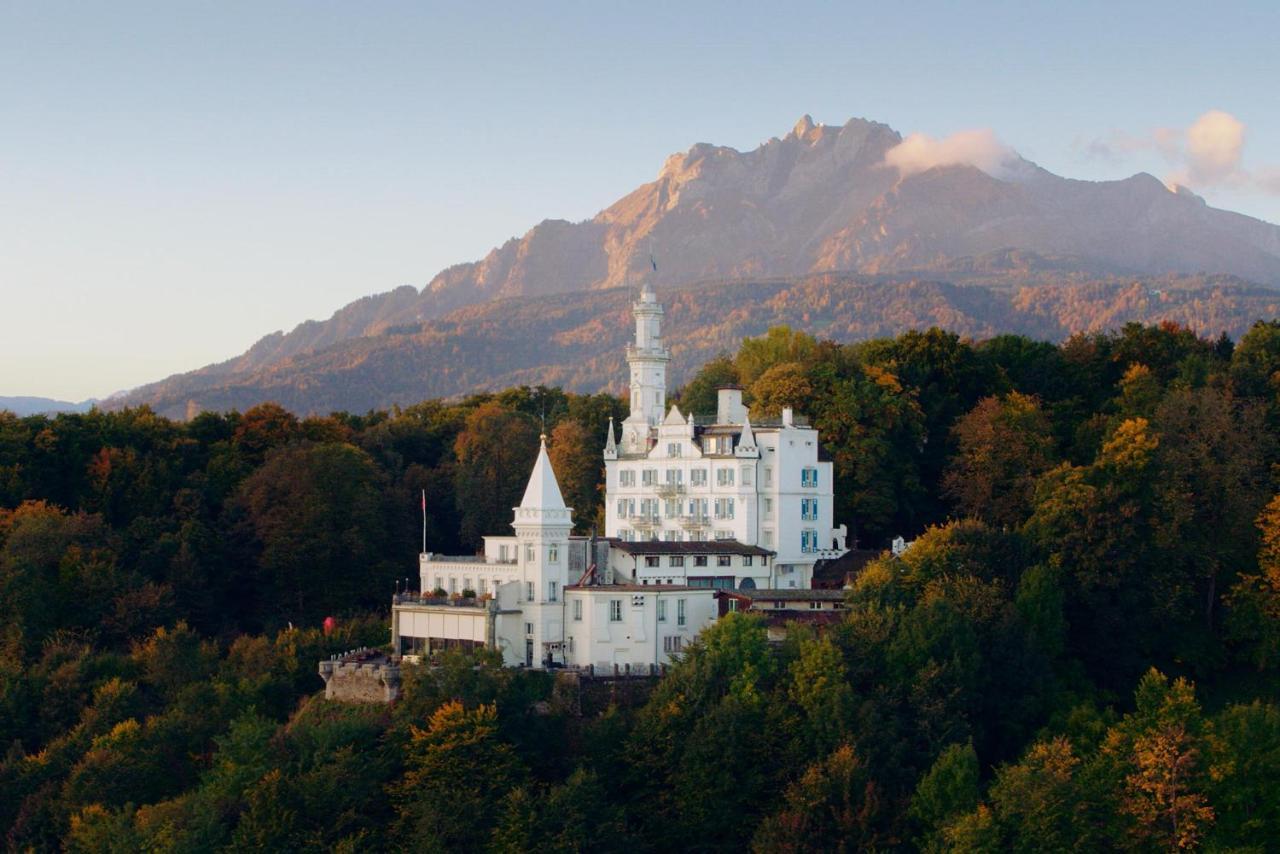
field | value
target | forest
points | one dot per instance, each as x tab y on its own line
1079	652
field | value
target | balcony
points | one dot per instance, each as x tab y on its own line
671	488
694	522
644	523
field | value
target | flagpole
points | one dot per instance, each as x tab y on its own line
424	521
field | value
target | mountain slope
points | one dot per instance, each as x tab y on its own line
578	344
818	199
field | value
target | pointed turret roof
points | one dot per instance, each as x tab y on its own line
748	437
543	492
610	444
674	418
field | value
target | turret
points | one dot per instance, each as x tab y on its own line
647	359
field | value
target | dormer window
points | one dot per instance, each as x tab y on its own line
674	449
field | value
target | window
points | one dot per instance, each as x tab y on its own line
746	560
651	560
724	535
622	508
676	560
649	477
679	612
453	584
768	508
466	583
746	476
724	477
671	536
502	554
615	610
733	604
768	475
700	560
673	476
671	508
767	537
551	590
724	560
698	508
673	449
528	553
626	477
809	508
724	508
528	628
662	610
439	582
553	553
809	477
815	606
698	477
672	643
808	540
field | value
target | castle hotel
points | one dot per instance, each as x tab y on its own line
695	507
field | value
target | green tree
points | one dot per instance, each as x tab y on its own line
834	806
495	451
315	517
1002	446
459	771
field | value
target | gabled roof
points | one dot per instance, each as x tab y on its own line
674	418
543	492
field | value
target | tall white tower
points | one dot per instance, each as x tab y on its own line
542	524
647	359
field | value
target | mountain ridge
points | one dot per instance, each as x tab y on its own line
820	199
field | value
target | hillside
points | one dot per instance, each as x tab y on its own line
578	344
819	199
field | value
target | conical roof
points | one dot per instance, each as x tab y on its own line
543	491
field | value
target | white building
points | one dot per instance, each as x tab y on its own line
676	478
550	598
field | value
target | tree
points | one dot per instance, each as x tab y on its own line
495	451
459	770
314	516
1254	600
699	396
780	344
948	790
577	462
834	806
1003	446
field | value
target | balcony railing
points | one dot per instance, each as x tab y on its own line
698	520
671	488
645	522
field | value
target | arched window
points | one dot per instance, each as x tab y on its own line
747	584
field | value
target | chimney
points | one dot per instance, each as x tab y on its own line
729	408
788	418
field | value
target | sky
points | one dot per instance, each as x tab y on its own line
178	179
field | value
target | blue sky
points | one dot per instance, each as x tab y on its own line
179	178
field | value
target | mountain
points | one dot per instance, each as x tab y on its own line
23	406
819	199
578	344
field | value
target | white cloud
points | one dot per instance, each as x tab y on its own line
980	148
1209	153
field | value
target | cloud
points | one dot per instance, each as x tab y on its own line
980	148
1207	154
1215	143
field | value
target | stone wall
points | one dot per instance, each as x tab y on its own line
361	676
